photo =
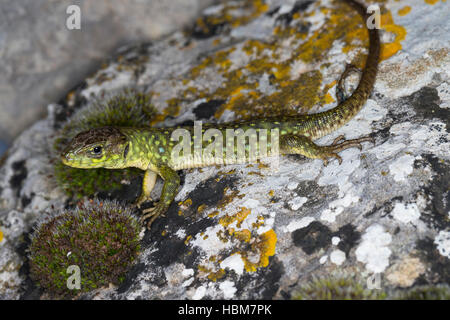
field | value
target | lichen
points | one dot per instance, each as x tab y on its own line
404	11
264	246
102	239
295	74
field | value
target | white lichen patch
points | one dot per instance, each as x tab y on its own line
442	242
297	202
187	272
181	233
373	250
406	212
402	167
335	241
298	224
113	80
10	280
337	206
292	185
431	138
337	257
340	174
361	124
210	242
444	94
228	289
387	150
233	262
199	293
323	259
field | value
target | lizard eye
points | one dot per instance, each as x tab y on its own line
97	150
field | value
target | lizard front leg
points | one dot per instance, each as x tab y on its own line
296	144
169	191
147	186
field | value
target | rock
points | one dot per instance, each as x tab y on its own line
258	231
41	59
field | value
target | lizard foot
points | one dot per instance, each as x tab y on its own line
152	213
141	200
340	144
338	139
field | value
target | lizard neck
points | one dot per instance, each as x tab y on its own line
149	148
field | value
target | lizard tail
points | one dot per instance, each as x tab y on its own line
328	121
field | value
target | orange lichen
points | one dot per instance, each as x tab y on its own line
404	11
296	78
238	217
389	49
258	223
213	214
1	236
264	246
201	208
243	235
432	2
209	273
186	203
214	276
329	98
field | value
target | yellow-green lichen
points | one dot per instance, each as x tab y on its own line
292	59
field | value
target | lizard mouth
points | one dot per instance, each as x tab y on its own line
66	158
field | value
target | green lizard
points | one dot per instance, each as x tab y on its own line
150	149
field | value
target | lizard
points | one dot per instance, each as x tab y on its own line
150	148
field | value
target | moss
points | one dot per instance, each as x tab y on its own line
339	287
102	239
128	108
347	287
427	292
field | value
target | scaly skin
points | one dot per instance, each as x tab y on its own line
150	149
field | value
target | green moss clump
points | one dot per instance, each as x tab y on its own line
102	239
129	108
437	292
347	287
343	287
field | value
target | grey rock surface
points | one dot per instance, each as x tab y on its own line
41	59
262	231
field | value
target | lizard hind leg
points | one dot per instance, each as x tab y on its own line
297	144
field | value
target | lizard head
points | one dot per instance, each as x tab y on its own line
104	147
